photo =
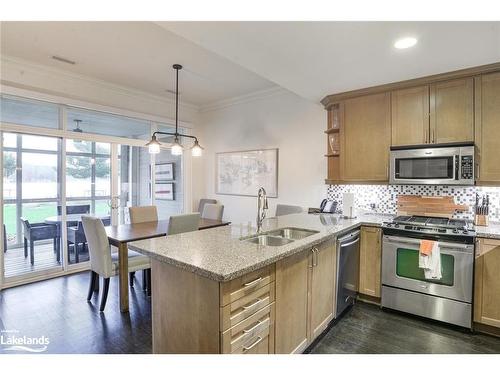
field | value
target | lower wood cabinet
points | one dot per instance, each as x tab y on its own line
305	294
487	282
370	255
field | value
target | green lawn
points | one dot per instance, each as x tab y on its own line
37	212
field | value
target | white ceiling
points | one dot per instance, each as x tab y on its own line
138	55
224	60
314	59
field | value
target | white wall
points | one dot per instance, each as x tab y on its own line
283	120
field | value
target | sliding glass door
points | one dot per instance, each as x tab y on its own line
31	195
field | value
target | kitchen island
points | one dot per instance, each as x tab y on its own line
214	292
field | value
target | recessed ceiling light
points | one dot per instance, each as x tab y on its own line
405	43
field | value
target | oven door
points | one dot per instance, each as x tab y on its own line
425	166
400	268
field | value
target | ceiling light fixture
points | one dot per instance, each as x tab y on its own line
404	43
177	148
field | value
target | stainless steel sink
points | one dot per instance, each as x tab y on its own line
293	233
267	240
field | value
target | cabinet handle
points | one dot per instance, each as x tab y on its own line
257	301
251	283
315	256
259	339
432	136
259	322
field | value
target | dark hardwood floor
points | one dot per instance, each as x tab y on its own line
58	309
367	329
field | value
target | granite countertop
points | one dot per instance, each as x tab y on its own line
220	255
491	231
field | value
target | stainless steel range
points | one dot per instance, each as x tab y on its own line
404	286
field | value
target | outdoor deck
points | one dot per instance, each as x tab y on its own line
45	258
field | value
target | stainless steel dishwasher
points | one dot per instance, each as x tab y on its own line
347	270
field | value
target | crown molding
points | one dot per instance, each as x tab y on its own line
256	95
122	90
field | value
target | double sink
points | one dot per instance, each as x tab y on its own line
280	237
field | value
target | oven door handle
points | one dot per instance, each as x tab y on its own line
441	244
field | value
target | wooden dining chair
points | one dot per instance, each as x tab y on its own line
141	214
213	211
104	263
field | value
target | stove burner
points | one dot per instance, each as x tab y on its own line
431	225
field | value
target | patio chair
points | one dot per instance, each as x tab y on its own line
75	209
76	237
38	232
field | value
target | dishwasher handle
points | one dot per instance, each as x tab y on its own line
349	236
349	243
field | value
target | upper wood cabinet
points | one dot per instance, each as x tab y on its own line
452	111
487	138
487	282
304	297
370	254
410	116
365	138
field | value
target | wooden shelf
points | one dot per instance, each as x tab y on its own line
331	130
332	155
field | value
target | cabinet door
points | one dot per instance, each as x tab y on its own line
452	111
322	287
365	129
487	110
410	116
292	303
487	283
370	254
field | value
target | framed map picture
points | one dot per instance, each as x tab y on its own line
164	171
164	191
244	172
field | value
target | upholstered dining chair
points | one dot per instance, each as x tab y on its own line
183	223
141	214
104	263
285	209
213	211
203	202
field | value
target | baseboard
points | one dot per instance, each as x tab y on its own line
369	299
484	328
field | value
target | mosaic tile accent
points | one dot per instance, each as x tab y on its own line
385	196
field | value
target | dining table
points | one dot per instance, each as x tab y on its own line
121	235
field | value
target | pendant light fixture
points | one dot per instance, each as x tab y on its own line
177	148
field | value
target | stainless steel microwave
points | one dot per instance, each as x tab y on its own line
447	164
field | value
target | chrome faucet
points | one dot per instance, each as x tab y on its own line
261	208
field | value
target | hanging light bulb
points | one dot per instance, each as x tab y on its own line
177	148
196	150
153	145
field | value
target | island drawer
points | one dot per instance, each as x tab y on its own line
261	344
240	287
244	307
246	331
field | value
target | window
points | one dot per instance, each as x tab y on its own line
29	112
107	124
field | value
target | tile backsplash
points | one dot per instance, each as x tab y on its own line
385	196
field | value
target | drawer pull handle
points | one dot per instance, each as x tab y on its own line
259	339
259	322
257	301
251	283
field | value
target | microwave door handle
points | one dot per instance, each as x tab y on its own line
456	161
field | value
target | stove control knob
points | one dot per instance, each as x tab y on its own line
465	231
396	225
455	230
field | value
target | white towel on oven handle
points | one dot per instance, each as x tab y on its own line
431	264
